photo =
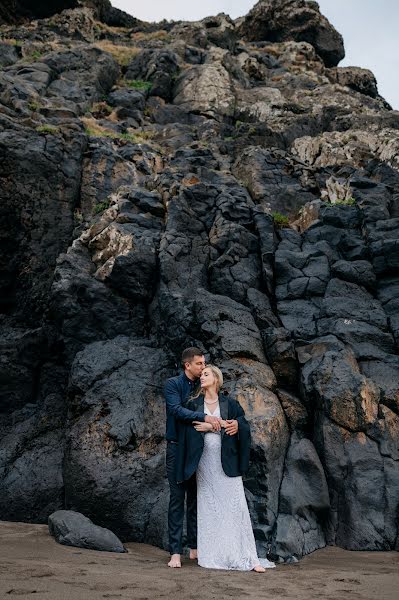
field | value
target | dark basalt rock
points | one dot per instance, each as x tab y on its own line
174	184
15	11
8	55
40	190
270	182
299	20
359	528
357	271
361	80
74	529
295	412
32	480
304	501
159	67
127	99
12	11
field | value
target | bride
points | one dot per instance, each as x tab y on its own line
225	536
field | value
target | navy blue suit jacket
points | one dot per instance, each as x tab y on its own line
177	391
235	448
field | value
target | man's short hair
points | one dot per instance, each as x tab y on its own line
189	353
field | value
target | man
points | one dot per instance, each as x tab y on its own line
177	391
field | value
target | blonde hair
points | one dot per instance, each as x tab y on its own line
217	373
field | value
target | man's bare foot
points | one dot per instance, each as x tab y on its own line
175	561
259	569
193	554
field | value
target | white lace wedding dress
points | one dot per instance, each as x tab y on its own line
225	536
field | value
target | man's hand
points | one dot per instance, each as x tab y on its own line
231	426
215	421
202	427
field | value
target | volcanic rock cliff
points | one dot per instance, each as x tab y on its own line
217	183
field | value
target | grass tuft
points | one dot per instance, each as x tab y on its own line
101	108
138	84
280	220
47	129
100	207
122	54
92	129
348	202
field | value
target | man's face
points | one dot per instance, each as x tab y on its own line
195	367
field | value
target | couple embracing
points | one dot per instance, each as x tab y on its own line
208	444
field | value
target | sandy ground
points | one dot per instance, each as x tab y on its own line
31	562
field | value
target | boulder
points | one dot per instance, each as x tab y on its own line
294	20
71	528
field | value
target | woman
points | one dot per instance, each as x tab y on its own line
225	536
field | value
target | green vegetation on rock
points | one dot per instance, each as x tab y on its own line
138	84
347	202
100	207
280	220
48	129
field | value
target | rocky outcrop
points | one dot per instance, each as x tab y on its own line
300	21
16	11
41	164
188	184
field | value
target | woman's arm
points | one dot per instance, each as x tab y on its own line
207	427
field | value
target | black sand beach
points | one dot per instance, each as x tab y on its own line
32	564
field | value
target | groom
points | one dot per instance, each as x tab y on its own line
177	391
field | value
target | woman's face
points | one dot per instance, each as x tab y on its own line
207	378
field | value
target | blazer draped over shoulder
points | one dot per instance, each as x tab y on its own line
235	449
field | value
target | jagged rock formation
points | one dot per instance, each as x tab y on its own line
296	20
220	183
17	11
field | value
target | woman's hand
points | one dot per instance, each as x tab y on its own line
231	426
202	427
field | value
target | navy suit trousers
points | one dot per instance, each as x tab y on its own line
178	494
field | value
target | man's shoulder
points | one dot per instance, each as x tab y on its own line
174	381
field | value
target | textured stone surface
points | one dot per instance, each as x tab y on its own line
74	529
222	184
296	20
206	89
13	11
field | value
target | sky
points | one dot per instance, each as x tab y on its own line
369	29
